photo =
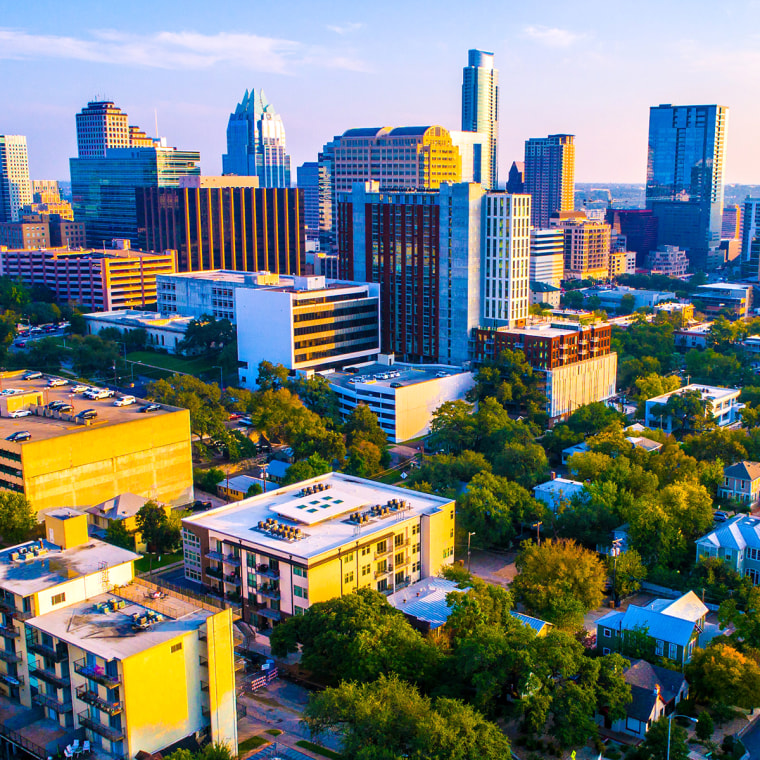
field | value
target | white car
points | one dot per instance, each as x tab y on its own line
54	382
20	413
125	401
79	388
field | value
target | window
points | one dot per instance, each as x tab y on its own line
607	633
448	552
366	570
415	529
299	571
298	610
349	557
382	547
659	648
398	539
365	551
176	647
605	650
300	592
382	566
58	598
451	534
348	577
672	651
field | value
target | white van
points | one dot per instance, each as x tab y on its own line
125	401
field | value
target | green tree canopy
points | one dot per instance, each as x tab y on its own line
17	517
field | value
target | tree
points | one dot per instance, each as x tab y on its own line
253	490
592	418
17	517
318	397
151	522
628	571
206	334
362	425
204	401
389	719
593	514
452	428
93	356
705	726
118	535
744	615
652	385
271	377
207	480
363	459
721	443
559	581
356	637
656	743
305	469
720	674
44	354
525	463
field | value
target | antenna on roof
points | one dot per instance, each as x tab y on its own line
155	113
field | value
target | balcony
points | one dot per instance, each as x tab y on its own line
380	555
60	682
381	573
204	686
57	654
211	554
269	592
93	698
112	734
52	703
404	543
9	631
233	580
9	656
214	572
231	559
267	571
203	661
97	673
10	680
404	562
270	614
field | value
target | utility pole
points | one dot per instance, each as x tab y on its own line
469	536
537	526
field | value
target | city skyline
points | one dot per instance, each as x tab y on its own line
333	69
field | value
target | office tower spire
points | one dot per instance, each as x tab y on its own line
480	109
15	187
549	176
256	142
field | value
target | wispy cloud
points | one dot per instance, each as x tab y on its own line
552	36
176	50
352	26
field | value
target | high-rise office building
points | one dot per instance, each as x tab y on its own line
731	226
224	223
15	187
480	109
639	227
549	176
103	189
750	252
685	170
308	180
516	179
256	142
103	125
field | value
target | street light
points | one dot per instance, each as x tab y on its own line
537	526
469	536
615	552
670	723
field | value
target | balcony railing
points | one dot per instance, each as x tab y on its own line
269	593
60	682
9	656
96	673
381	573
9	631
267	571
212	554
110	733
10	680
214	572
93	698
204	686
203	660
52	703
267	613
233	580
57	654
380	555
232	559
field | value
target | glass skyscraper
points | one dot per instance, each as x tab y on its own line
480	109
685	167
256	142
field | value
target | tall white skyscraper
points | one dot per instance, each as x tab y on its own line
506	258
256	142
480	109
15	187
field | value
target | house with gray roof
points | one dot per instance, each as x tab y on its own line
666	628
655	692
741	482
737	543
424	602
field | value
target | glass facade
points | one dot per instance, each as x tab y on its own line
480	108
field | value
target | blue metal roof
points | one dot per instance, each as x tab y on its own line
536	624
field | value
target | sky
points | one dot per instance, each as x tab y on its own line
587	68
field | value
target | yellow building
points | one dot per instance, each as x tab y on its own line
284	550
71	461
91	654
622	262
122	508
587	249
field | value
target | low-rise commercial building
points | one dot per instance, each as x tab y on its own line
69	460
693	336
670	260
163	331
305	323
721	403
612	298
622	262
724	296
31	235
92	654
283	551
101	280
403	396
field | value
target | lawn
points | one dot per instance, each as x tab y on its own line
273	731
252	742
144	564
169	363
318	750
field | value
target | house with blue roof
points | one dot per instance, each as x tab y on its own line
737	543
424	602
541	627
670	628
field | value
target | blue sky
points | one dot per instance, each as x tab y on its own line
586	67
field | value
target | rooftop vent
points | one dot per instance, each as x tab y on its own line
378	511
316	488
276	529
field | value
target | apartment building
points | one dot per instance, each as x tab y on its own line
285	550
102	280
587	249
92	654
721	403
670	260
549	176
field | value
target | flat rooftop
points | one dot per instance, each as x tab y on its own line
263	280
53	565
43	428
712	392
318	521
383	375
110	631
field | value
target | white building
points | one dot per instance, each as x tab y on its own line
15	187
584	382
305	323
611	299
472	147
506	258
547	256
403	397
557	491
723	404
164	331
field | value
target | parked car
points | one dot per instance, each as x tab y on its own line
99	393
149	408
87	414
720	516
22	344
54	382
20	413
30	375
397	385
79	388
65	409
201	506
19	435
54	406
125	401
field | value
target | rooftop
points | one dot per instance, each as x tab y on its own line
46	564
44	428
711	392
739	532
107	625
142	319
384	375
121	507
309	518
425	600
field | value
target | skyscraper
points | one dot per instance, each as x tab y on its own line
15	187
480	109
685	168
308	179
103	125
549	176
256	142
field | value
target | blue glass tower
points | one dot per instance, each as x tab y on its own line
256	142
685	167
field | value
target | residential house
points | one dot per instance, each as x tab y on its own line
556	491
655	692
722	404
424	603
741	482
640	442
737	543
237	487
671	628
579	448
122	508
541	627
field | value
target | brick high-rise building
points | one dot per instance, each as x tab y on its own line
587	249
549	176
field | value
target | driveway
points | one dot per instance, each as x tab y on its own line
494	567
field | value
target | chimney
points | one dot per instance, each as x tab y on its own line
553	475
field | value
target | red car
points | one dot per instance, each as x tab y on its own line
234	416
